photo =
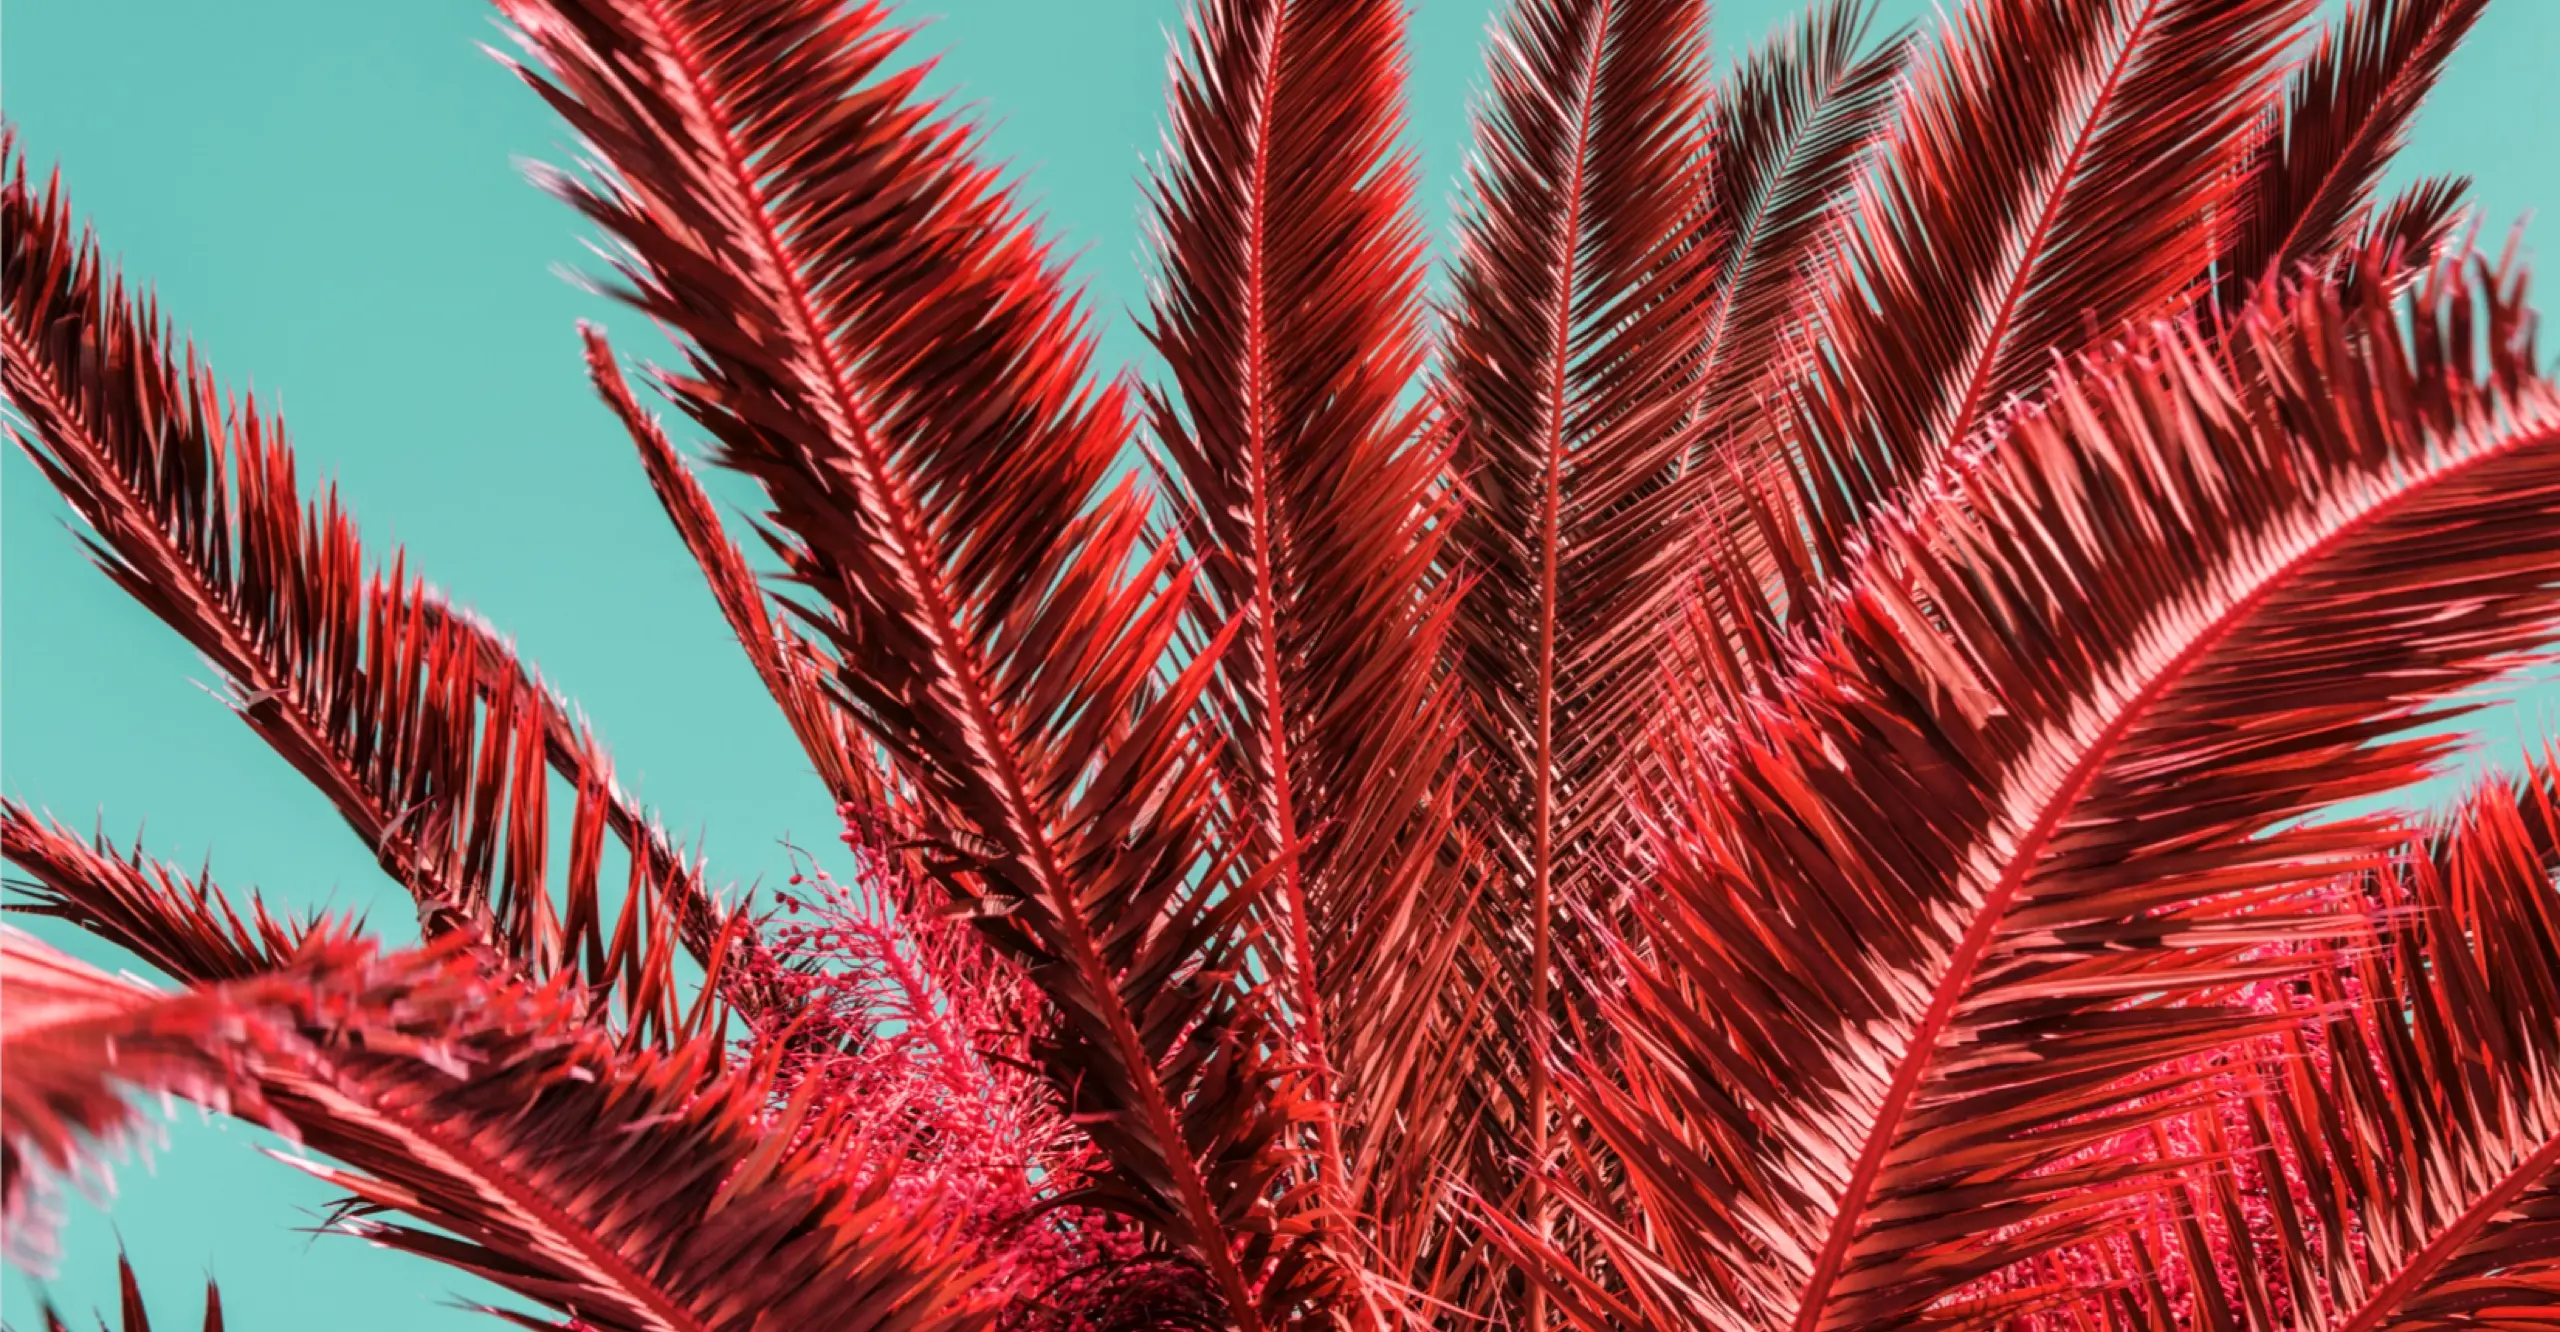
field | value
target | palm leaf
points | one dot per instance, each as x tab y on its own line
189	929
2346	112
1949	911
628	1190
185	927
790	669
1580	294
2056	175
1288	313
876	337
1791	129
418	723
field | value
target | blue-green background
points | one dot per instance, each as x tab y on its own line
324	193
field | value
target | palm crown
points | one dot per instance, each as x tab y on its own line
1773	760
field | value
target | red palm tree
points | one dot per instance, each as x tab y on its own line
1773	761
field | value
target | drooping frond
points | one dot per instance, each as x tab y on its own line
433	742
875	335
1288	312
2058	172
2312	173
652	1190
1578	303
788	666
132	1314
1945	914
187	928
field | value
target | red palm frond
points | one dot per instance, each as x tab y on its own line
133	1315
876	336
1790	131
1949	911
78	1042
187	928
788	666
2057	174
652	1190
2348	108
1288	312
1579	300
2414	1126
416	722
646	1190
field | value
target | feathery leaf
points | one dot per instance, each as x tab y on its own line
2056	175
1288	312
1579	299
1790	131
875	335
434	743
1952	906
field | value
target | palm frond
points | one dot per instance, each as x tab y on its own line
789	667
1787	760
2346	111
1288	312
875	335
1579	299
416	721
2057	174
2410	1136
1790	131
627	1189
1946	914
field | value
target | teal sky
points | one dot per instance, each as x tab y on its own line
324	193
